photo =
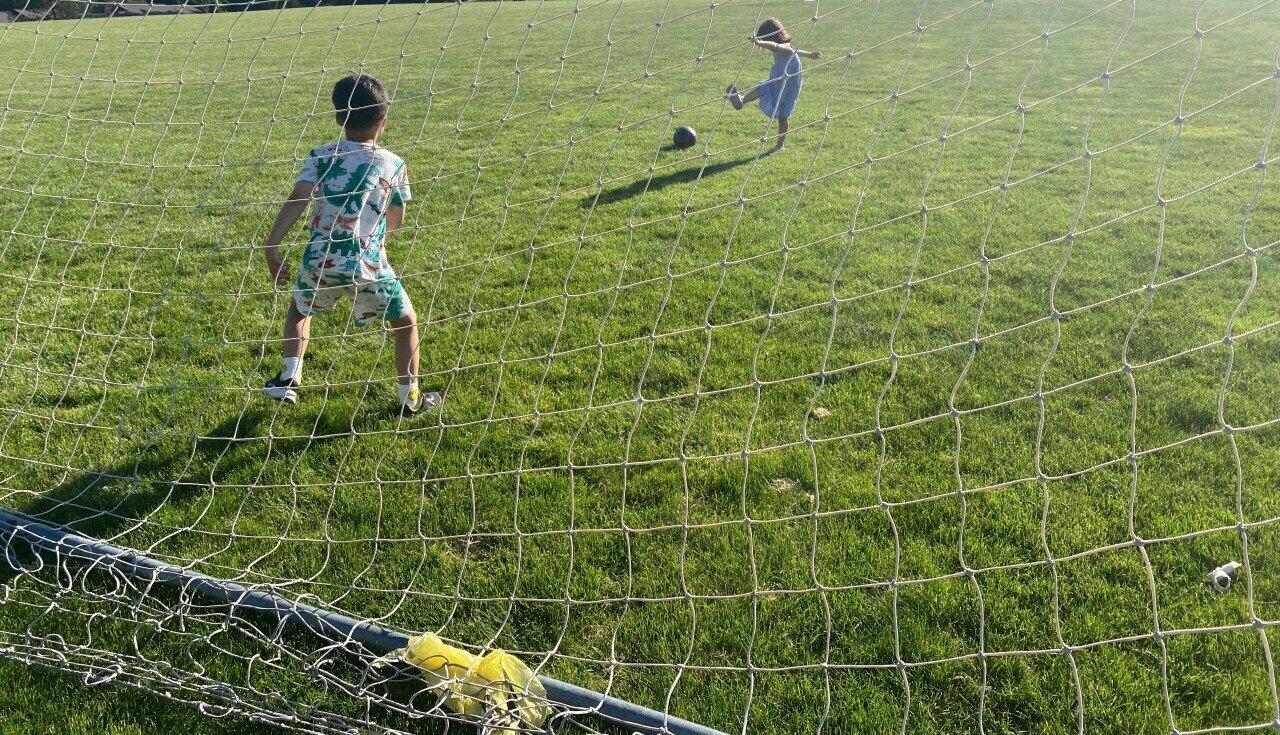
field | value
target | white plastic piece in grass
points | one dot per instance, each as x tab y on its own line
1220	578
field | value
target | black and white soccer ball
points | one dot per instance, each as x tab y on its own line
685	137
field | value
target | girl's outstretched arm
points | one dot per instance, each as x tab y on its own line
776	47
770	45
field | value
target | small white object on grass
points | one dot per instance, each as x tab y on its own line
1220	578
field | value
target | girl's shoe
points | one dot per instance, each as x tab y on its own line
735	99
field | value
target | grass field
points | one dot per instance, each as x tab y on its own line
806	428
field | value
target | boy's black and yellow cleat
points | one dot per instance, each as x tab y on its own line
418	401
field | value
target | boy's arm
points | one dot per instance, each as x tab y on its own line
290	211
810	54
399	196
395	217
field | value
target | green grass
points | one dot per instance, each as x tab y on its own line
596	310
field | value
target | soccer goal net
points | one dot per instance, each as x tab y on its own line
939	397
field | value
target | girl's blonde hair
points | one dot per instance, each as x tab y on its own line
771	30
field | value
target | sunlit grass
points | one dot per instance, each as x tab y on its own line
705	396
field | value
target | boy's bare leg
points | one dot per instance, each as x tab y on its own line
412	400
405	331
297	332
752	95
782	133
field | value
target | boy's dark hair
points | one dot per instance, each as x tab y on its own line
360	100
771	30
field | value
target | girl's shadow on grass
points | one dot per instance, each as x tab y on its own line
693	173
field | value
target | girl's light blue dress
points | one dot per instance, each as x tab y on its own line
778	94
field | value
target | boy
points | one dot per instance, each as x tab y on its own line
358	191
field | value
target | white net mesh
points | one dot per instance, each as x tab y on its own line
937	420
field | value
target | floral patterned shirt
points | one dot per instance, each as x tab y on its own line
354	185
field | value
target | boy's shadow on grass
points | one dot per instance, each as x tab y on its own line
693	173
100	501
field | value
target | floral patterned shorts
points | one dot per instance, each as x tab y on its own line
378	300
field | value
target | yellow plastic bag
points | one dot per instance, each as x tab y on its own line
498	687
516	698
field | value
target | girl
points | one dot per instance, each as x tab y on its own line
778	94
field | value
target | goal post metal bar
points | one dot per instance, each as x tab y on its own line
324	623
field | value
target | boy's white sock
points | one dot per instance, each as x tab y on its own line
292	369
405	390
